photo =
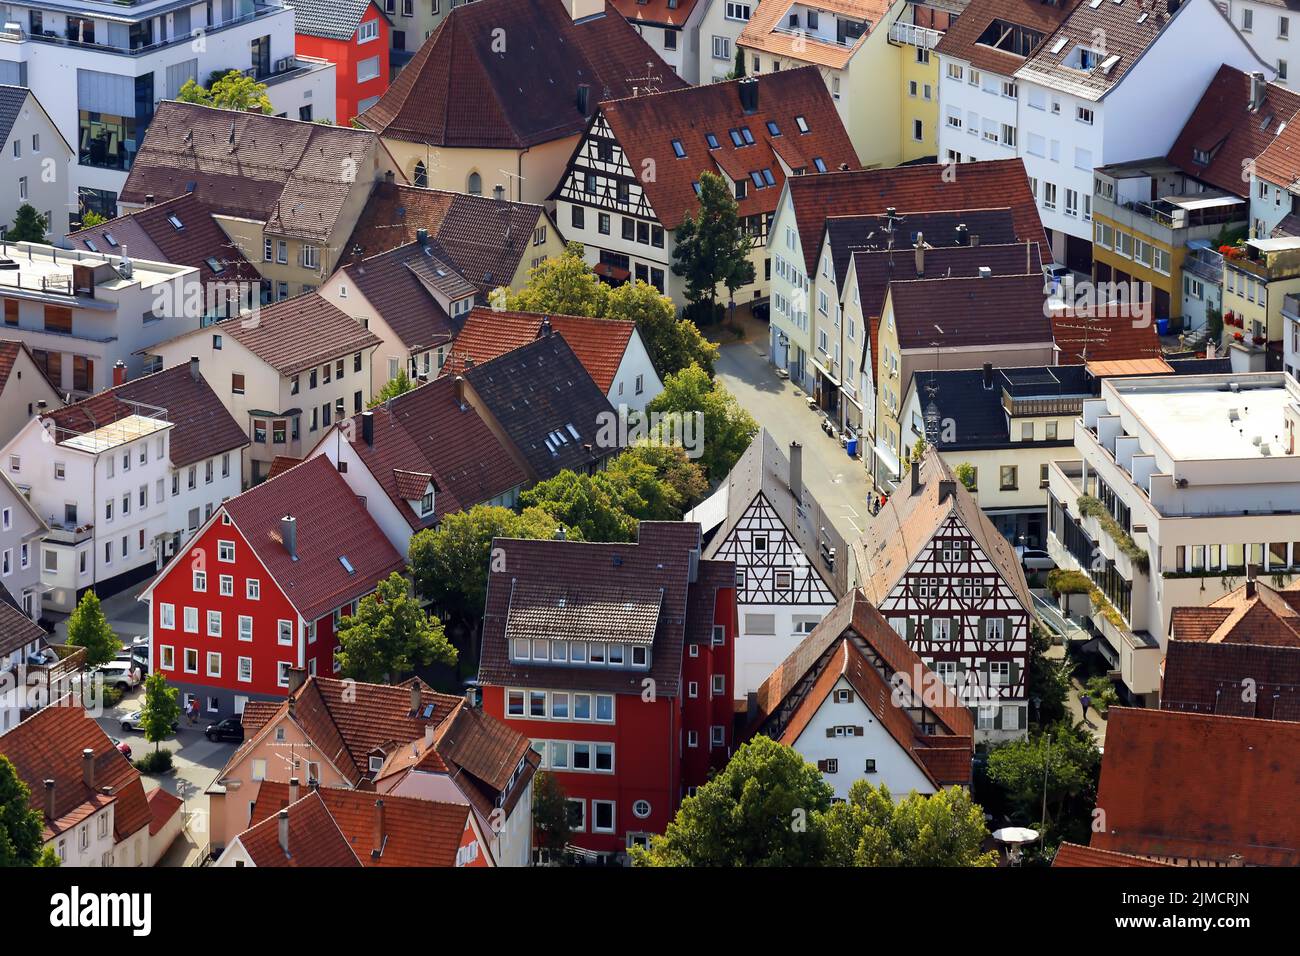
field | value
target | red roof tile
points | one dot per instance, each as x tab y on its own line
992	311
331	524
657	12
9	349
1213	678
961	41
599	343
765	31
1162	801
314	838
163	805
1071	854
1104	338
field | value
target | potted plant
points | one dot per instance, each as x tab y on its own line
1237	336
1258	339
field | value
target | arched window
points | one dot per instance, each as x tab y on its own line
475	184
421	176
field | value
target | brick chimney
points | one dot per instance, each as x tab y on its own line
378	836
415	698
119	373
49	799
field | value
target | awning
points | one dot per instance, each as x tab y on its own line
821	370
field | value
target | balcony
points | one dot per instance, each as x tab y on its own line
1206	264
69	535
14	32
912	35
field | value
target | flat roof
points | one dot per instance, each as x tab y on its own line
1205	422
116	433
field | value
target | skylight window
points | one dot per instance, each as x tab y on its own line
176	223
90	244
696	187
801	123
108	237
215	265
1108	64
749	137
736	139
678	149
773	128
768	177
347	565
572	431
758	179
1059	45
711	140
1142	18
820	164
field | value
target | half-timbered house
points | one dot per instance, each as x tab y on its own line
635	174
949	583
791	563
855	700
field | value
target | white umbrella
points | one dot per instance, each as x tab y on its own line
1015	835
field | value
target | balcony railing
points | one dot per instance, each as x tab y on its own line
1172	216
1205	264
13	32
913	35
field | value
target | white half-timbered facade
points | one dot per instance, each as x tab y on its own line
791	563
950	584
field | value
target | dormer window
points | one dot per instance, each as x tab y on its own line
426	505
1200	157
376	763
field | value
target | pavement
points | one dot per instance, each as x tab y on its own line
1094	721
838	482
128	616
196	763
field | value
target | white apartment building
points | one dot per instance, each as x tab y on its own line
1180	488
21	530
1051	91
719	28
1268	27
672	29
80	313
101	68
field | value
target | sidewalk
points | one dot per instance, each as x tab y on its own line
1095	722
128	616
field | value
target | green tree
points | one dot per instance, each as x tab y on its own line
662	476
48	859
592	504
725	428
232	91
1069	763
21	826
90	218
563	286
399	384
29	225
966	474
450	563
871	829
391	635
1101	690
1049	680
550	812
161	711
673	343
738	70
711	246
763	809
88	628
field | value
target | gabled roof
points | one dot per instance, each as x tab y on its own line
658	560
1200	787
486	334
482	754
547	404
201	425
1230	134
48	746
17	630
393	286
991	184
1213	678
991	311
1071	854
282	172
163	805
332	525
152	233
1090	335
314	838
909	521
647	126
962	38
668	13
854	643
485	239
413	832
766	31
463	90
1253	613
329	19
426	431
9	350
12	99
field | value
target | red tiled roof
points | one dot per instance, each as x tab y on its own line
414	832
647	126
294	334
256	714
391	284
1224	127
281	464
1208	677
460	91
9	349
48	746
657	12
992	311
17	630
762	33
482	754
314	838
1104	338
201	425
961	39
991	184
599	343
1072	854
1200	787
426	431
331	524
148	233
163	805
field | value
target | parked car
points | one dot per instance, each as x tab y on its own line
1034	559
131	722
124	675
232	728
136	654
123	748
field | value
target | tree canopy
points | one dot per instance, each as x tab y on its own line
391	635
88	628
160	712
727	429
1070	765
21	825
564	286
233	91
29	225
871	829
399	384
550	811
712	249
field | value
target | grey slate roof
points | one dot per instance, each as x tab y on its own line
331	19
12	99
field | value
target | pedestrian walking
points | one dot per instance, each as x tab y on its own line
1085	702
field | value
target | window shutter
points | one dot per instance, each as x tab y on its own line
1015	673
911	629
858	732
821	765
997	718
830	731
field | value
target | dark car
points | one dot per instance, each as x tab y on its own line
229	729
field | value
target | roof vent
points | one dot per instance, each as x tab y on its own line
289	534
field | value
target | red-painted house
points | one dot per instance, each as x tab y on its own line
353	35
615	659
261	589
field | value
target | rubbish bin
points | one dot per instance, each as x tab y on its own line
1162	326
851	446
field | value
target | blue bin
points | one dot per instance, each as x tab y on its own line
851	446
1162	326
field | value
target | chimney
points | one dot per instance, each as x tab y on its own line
693	565
389	178
415	697
1257	88
988	376
293	789
368	428
919	252
561	534
49	799
422	236
974	240
289	533
88	767
544	329
844	167
297	677
194	367
119	373
460	392
748	94
986	272
148	199
916	477
583	98
947	489
379	830
284	831
428	736
963	235
472	696
796	471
